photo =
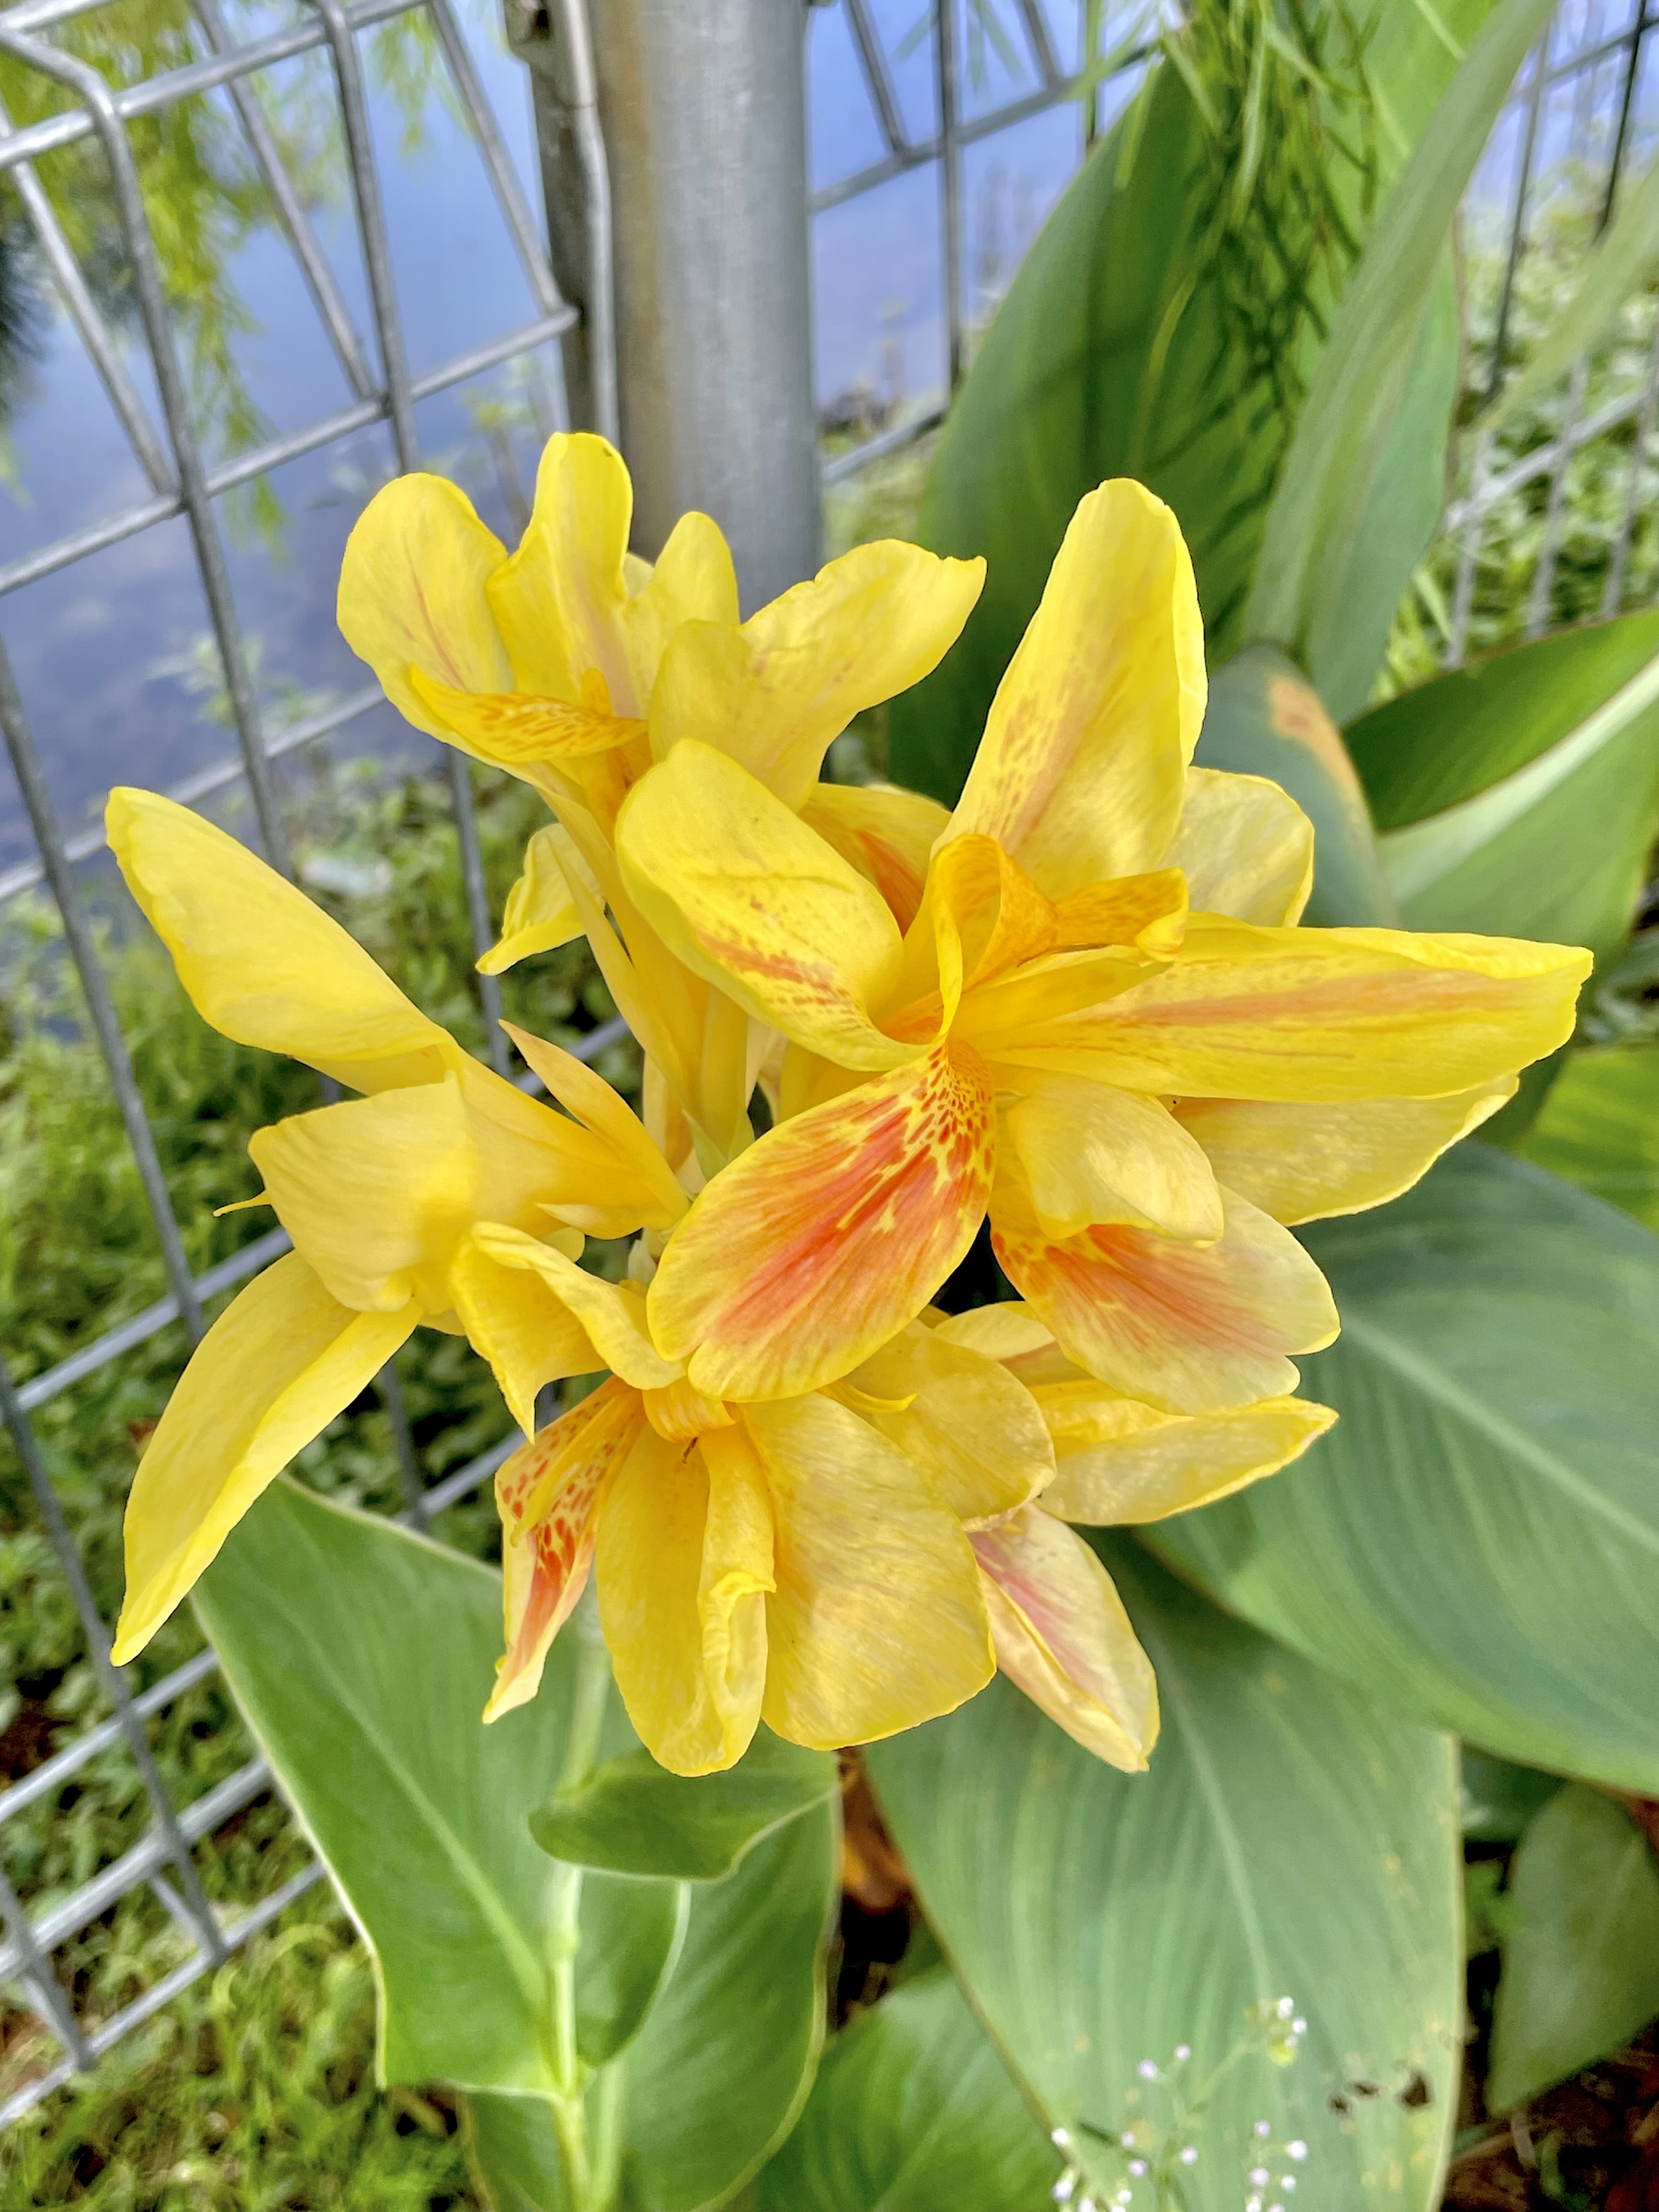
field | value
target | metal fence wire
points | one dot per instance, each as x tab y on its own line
1603	46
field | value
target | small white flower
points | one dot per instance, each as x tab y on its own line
1286	2007
1260	2177
1262	2128
1296	2151
1085	2204
1059	2138
1183	2052
1128	2139
1147	2071
1189	2153
1298	2025
1063	2188
1287	2182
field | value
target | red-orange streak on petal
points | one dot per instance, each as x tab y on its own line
547	1493
819	1243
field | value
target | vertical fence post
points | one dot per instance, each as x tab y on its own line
703	107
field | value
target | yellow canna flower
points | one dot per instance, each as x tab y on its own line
1103	1026
575	665
383	1195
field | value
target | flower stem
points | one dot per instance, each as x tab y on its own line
564	1893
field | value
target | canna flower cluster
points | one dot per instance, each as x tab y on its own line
1080	1005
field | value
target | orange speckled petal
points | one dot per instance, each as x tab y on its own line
1193	1328
822	1240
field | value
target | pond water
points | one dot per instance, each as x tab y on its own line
111	655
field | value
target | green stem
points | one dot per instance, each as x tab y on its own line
564	1894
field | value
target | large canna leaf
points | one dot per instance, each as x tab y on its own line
1600	1127
1477	1537
1102	361
1581	1961
1290	1837
1264	718
912	2112
1521	796
1331	474
361	1655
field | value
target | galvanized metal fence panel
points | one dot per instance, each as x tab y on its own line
1590	36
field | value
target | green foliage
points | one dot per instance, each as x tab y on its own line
1600	1127
1477	1538
912	2112
361	1654
1292	1836
1581	1954
632	1816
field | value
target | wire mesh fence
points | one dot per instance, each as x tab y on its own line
937	89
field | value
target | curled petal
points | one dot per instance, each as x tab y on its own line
260	960
692	580
559	601
774	693
1307	1163
512	1319
1081	771
685	1565
613	1315
1119	1461
413	595
877	1622
1148	912
975	1432
281	1361
1086	1153
1246	847
1193	1329
1061	1633
547	1493
1320	1015
820	1242
540	912
591	1101
885	833
741	890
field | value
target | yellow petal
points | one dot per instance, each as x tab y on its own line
975	1432
885	833
534	1162
1246	847
1121	1461
548	1493
413	595
1087	1153
516	730
684	1562
1193	1329
747	896
376	1193
877	1622
693	580
540	912
612	1314
774	693
259	960
281	1361
1320	1014
1081	770
1062	1634
1006	1331
591	1100
1307	1162
1148	912
527	1332
559	601
819	1243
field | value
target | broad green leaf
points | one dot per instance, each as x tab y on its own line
1612	273
1600	1127
912	2112
361	1655
1558	847
1290	1837
1499	1797
1264	718
1477	1537
1102	361
1347	420
713	2084
1581	1965
634	1817
1371	571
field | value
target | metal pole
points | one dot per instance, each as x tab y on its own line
702	104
